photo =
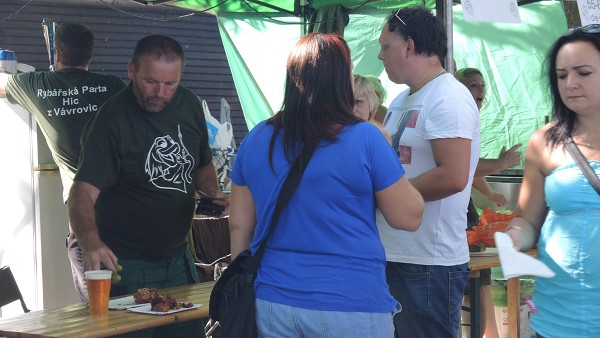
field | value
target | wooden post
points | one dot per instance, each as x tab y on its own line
513	305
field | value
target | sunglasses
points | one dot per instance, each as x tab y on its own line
404	23
591	29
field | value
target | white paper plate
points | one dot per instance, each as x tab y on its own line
147	309
123	303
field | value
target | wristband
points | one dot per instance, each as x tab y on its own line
510	227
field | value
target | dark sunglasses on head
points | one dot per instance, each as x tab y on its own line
592	29
406	32
398	17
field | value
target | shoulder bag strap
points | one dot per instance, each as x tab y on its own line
583	164
285	193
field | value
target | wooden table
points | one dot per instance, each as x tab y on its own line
478	263
75	320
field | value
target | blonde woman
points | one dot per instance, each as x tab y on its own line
366	102
381	95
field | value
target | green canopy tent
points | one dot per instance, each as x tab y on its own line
258	35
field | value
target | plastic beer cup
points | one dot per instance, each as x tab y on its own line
98	287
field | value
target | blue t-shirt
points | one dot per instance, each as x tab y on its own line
325	253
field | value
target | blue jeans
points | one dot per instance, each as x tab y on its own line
431	298
276	320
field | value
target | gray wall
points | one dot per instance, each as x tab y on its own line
207	72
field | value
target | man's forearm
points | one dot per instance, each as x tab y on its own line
487	167
481	184
206	180
82	217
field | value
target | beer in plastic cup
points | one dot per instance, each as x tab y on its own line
98	287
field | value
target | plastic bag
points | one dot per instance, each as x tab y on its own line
490	222
489	216
220	135
220	138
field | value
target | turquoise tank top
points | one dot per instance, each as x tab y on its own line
569	243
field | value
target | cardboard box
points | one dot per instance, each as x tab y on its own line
502	321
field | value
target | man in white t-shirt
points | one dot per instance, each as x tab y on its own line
427	270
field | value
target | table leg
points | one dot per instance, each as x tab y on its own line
513	304
474	298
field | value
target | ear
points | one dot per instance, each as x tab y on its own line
410	47
56	56
130	70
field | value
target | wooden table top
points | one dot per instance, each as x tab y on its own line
490	261
75	320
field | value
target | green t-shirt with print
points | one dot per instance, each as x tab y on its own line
62	102
144	165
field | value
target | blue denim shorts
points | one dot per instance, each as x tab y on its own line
276	320
431	298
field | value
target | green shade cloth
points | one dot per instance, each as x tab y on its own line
511	57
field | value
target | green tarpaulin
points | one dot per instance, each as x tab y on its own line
511	56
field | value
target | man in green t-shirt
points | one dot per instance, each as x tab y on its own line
144	156
62	102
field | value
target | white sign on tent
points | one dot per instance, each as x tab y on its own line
589	11
491	10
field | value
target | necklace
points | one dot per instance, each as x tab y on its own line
442	71
584	142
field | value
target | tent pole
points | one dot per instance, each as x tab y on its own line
303	14
443	9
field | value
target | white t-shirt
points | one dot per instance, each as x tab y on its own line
443	108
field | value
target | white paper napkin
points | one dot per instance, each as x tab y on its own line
515	263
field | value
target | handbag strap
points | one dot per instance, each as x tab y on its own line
285	193
583	164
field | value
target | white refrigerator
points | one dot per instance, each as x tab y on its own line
33	217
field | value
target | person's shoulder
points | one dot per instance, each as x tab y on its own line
451	91
449	84
107	77
187	94
23	77
29	81
258	136
361	131
261	128
362	126
117	101
538	137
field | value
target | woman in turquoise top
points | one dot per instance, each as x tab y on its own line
558	208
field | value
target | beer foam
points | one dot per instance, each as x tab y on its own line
98	274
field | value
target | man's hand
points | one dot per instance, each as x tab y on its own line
511	157
498	198
218	197
98	256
